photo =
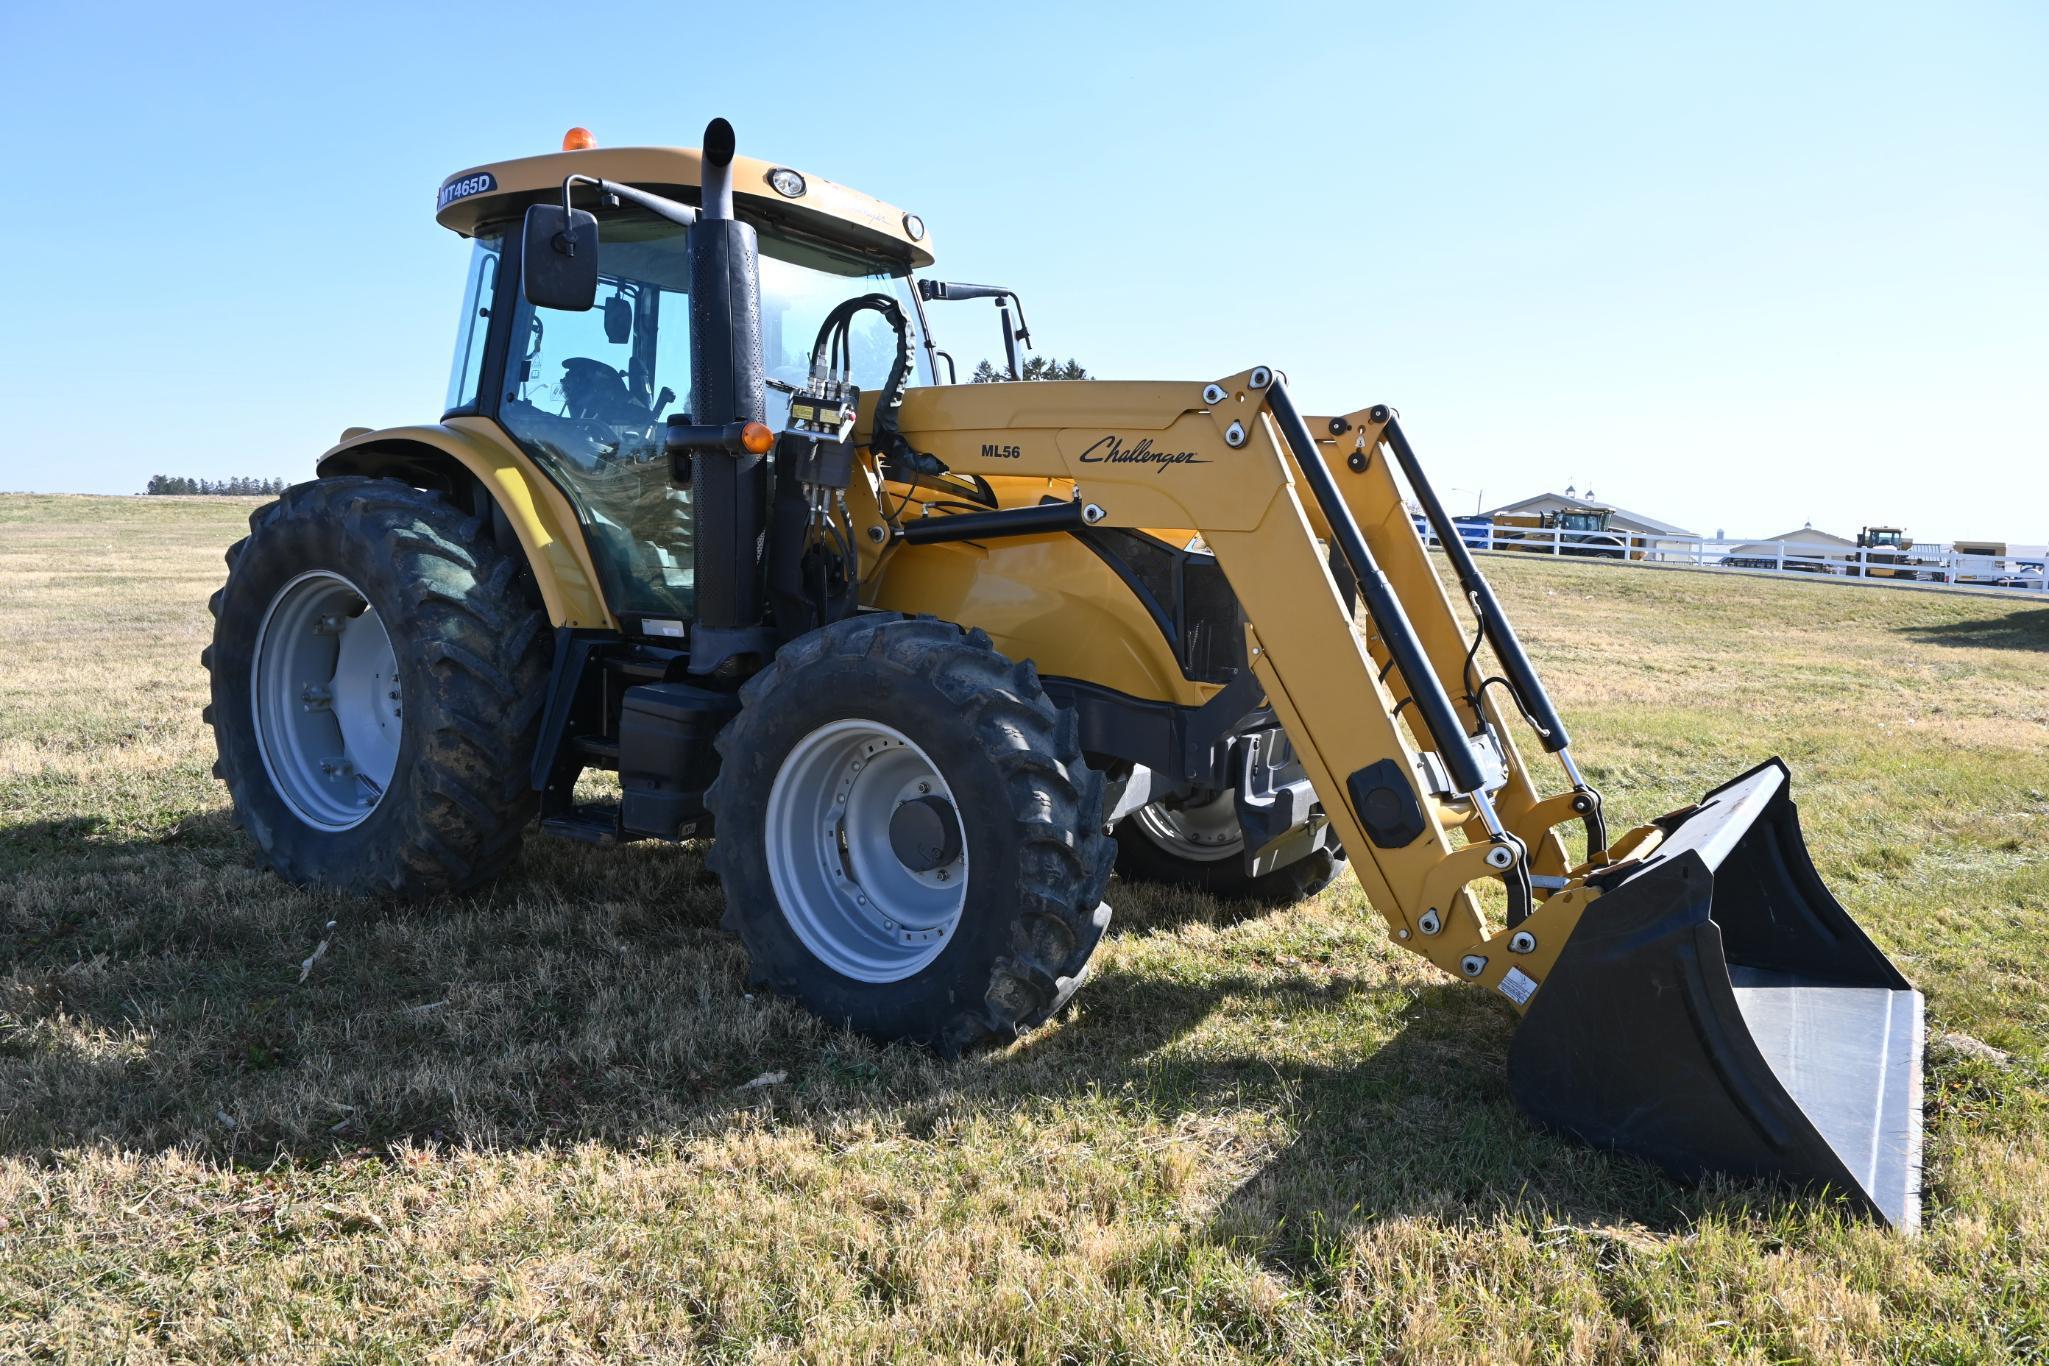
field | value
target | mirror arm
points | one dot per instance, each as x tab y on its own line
1006	299
680	214
1009	340
1024	333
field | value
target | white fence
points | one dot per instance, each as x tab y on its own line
2021	572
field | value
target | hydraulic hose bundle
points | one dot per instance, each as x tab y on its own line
813	569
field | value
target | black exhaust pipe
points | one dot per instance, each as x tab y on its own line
730	488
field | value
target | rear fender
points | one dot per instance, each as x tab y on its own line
464	449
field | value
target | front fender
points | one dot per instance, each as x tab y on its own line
540	515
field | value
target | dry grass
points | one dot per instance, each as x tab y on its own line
513	1124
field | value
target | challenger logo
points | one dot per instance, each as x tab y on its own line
1111	450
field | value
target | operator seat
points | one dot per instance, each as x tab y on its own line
596	391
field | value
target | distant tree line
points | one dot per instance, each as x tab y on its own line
242	487
1035	367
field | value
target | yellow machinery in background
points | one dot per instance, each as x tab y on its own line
927	661
1884	553
1581	530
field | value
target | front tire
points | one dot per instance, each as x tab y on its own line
378	669
908	838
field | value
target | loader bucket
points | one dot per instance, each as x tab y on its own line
1716	1010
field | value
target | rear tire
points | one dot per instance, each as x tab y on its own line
419	784
937	705
1201	845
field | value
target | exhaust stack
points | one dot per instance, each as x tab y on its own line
731	487
715	192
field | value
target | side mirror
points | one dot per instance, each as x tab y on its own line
558	258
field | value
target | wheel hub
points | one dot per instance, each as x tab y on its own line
924	834
328	708
865	850
1201	827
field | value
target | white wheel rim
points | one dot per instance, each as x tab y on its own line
1207	830
838	880
324	690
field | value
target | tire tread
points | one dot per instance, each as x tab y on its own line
486	649
1065	859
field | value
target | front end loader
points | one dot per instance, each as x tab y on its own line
927	662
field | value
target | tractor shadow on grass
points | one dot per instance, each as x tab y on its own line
165	992
1421	1124
2025	628
155	995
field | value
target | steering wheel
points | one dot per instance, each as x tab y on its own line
595	393
599	434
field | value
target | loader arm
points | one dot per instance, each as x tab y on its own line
1717	1009
1413	765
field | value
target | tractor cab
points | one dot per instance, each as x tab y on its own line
1578	519
587	394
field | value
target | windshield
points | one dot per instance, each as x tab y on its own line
801	282
588	393
1582	521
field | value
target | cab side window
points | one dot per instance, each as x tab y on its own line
587	394
465	377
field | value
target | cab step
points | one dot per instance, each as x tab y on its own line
597	749
597	825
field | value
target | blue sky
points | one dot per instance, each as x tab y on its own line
1736	266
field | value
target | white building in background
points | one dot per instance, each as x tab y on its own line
1807	548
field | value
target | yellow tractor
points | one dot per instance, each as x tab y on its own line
1883	553
1581	530
927	661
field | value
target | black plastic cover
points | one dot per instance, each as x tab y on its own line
1186	593
809	460
1385	799
666	759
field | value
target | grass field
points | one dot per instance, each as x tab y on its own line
519	1125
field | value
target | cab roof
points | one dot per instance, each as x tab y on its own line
500	190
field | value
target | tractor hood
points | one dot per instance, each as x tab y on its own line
500	190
